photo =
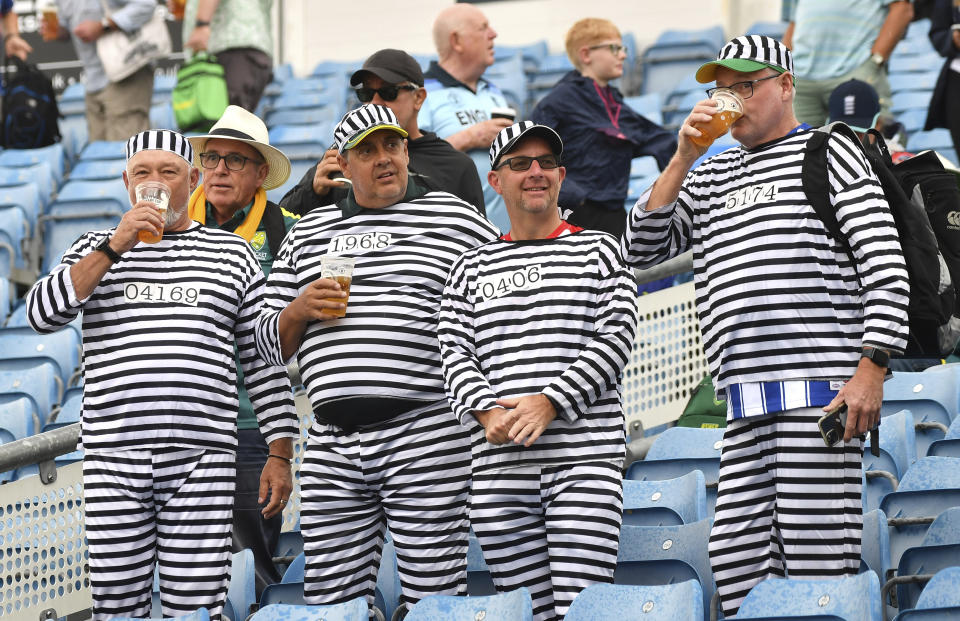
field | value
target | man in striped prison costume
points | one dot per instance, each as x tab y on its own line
791	326
159	424
535	329
384	450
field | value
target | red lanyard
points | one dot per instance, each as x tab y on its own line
565	228
610	104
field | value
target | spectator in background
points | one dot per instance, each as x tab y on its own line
240	34
459	103
114	110
239	166
13	43
835	40
393	78
857	104
601	134
945	103
161	325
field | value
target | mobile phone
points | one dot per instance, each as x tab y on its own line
833	424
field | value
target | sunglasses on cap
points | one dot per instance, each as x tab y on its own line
524	162
387	93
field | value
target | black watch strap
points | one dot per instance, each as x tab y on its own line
876	356
105	248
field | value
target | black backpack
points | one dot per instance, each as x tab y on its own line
933	299
30	111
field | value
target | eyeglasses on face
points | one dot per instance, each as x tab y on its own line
743	89
524	162
615	48
233	161
387	93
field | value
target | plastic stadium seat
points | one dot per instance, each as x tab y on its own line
652	555
304	99
104	150
243	577
684	497
875	543
945	530
897	452
923	560
302	141
40	174
294	572
913	81
932	395
304	116
53	154
949	446
162	116
515	605
355	610
335	67
388	581
707	41
290	543
59	233
18	414
99	192
531	53
282	593
644	166
614	602
768	29
75	135
37	378
931	473
68	412
936	139
298	168
648	105
852	599
913	120
200	614
661	469
163	87
677	442
25	197
509	77
73	100
907	100
14	228
62	347
912	46
942	591
479	580
98	170
917	63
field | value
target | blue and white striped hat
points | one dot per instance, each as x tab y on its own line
160	140
747	54
507	138
361	122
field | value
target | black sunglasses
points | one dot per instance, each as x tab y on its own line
524	162
387	93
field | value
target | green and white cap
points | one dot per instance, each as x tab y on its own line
747	54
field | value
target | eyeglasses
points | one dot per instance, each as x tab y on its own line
234	161
524	162
615	48
743	89
387	93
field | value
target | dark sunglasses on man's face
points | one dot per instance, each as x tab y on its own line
387	93
524	162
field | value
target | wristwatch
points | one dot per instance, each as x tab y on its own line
876	356
105	23
878	60
105	248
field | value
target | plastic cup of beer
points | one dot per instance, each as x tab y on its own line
177	8
729	109
158	194
341	270
51	22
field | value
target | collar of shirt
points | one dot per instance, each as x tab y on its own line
565	228
438	73
231	224
349	207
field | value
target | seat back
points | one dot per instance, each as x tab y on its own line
942	591
243	583
685	496
514	605
853	599
354	610
687	442
673	602
923	560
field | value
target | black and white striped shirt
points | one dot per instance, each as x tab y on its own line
158	343
386	346
553	316
778	298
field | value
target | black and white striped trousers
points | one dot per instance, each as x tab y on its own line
411	474
169	506
787	505
552	529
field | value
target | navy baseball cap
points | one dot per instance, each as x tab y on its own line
856	103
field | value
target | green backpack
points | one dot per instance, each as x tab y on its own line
703	409
200	96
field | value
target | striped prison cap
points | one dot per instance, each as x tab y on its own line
361	122
508	137
746	54
160	140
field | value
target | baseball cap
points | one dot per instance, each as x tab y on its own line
391	66
856	103
747	54
361	122
508	137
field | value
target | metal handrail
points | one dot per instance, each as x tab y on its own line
671	267
40	447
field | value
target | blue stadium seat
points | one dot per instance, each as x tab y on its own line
162	116
14	228
59	233
913	120
98	170
923	560
335	68
104	150
676	54
72	100
644	166
53	154
913	81
942	591
679	108
852	599
614	602
507	74
875	543
652	555
99	195
74	132
388	581
26	198
768	29
18	415
685	497
936	139
163	87
304	99
479	580
515	605
661	469
649	105
949	446
243	578
907	100
532	54
68	413
295	571
282	593
945	529
40	174
932	396
354	610
200	614
916	63
37	378
62	347
298	168
290	543
913	46
304	116
897	452
282	73
302	141
707	41
679	442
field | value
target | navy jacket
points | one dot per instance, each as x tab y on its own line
941	20
596	154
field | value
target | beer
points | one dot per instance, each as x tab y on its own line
177	7
158	194
729	109
339	269
51	22
344	282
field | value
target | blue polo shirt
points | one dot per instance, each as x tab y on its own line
452	106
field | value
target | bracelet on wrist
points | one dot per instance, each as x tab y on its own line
280	457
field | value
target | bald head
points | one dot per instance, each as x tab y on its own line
464	41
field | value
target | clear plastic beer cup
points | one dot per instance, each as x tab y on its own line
50	16
159	194
341	270
729	109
